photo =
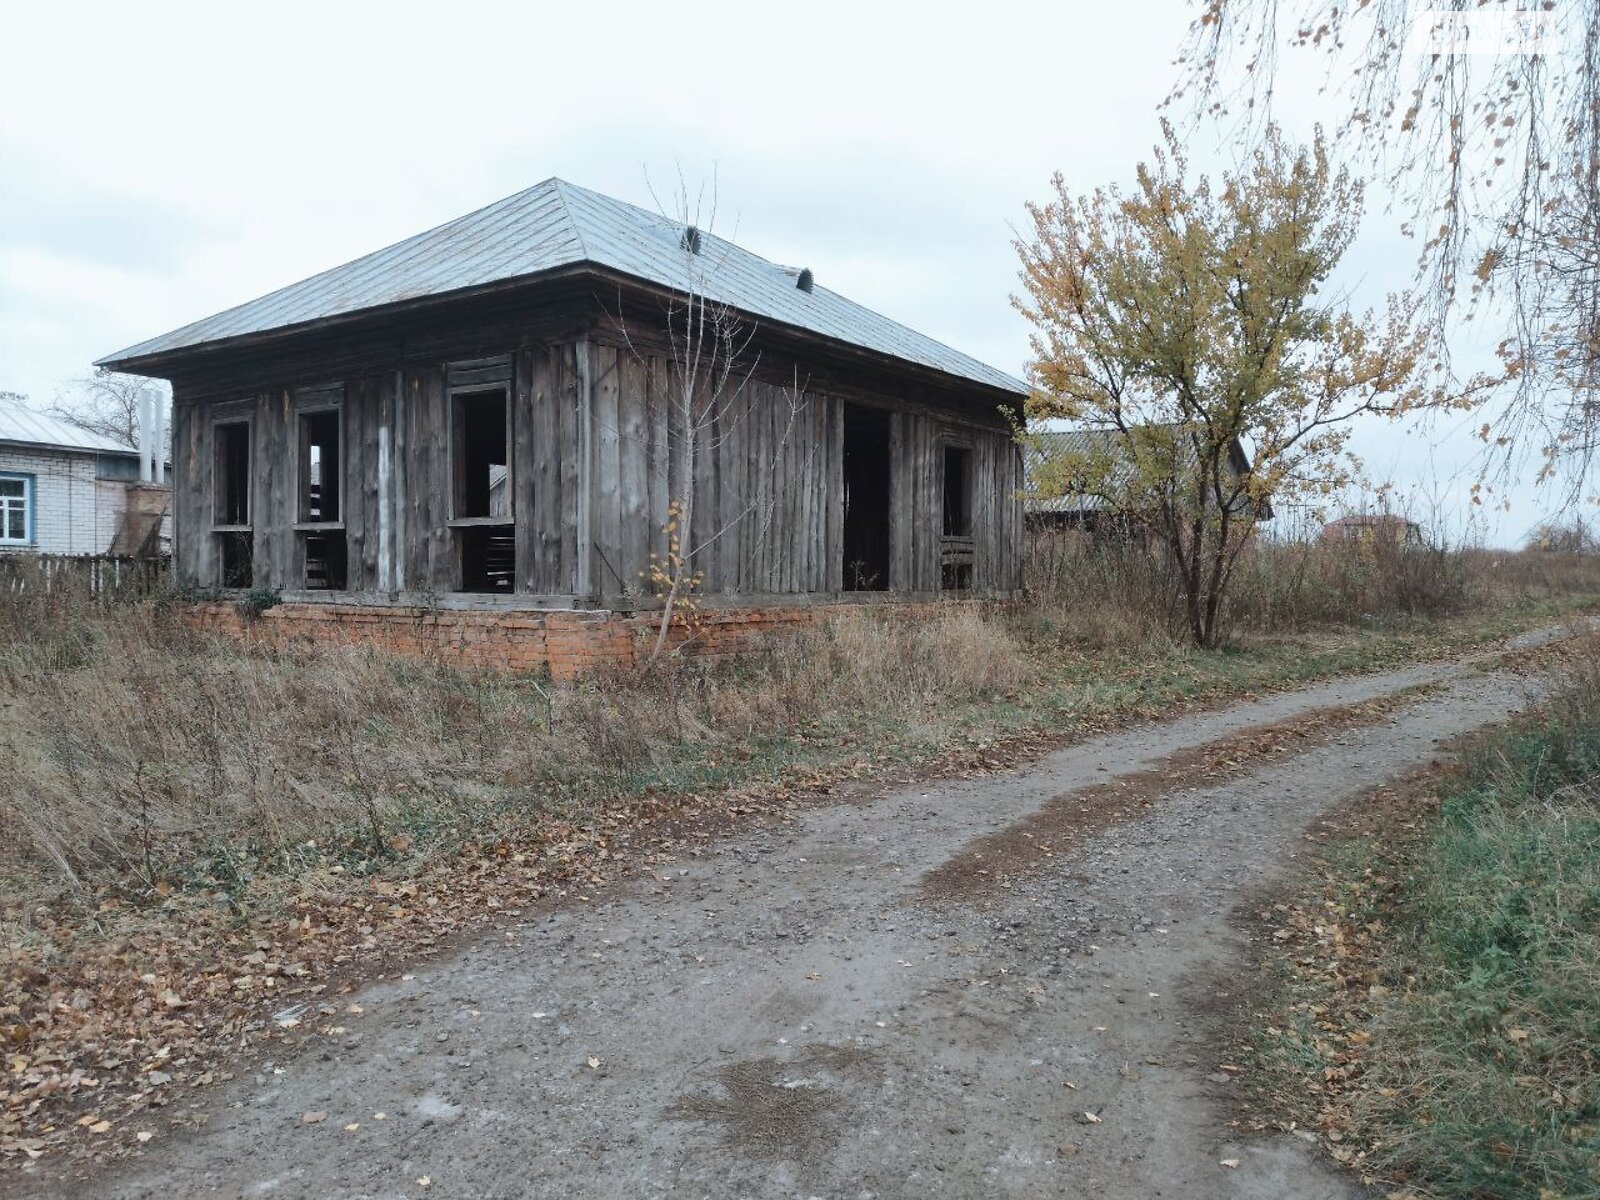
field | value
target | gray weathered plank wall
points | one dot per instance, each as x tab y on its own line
596	448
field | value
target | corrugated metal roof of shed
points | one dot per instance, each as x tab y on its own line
1040	448
556	224
27	426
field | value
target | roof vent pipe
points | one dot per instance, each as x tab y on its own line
806	281
691	239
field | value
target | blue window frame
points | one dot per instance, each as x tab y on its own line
16	509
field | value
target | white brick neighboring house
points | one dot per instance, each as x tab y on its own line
66	491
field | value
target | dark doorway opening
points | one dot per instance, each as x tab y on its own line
327	561
485	535
956	576
957	492
867	499
238	555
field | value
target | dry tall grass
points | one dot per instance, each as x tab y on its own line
135	748
136	751
1127	592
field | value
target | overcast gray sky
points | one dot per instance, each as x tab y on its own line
162	161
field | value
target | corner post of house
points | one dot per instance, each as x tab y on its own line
398	403
181	432
586	472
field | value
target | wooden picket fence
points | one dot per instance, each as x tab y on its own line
104	576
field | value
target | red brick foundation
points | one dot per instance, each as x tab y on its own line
567	643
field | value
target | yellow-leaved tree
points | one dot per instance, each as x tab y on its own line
1180	322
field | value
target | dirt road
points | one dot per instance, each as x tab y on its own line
805	1010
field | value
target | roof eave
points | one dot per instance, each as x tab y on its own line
158	364
149	364
63	448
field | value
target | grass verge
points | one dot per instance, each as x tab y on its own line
1437	1013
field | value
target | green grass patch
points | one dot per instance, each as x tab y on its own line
1469	1067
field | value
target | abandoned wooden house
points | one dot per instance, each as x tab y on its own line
478	423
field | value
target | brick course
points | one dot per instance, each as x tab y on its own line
567	644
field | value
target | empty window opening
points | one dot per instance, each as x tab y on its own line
232	483
956	576
237	550
867	495
957	492
327	559
488	558
482	467
321	467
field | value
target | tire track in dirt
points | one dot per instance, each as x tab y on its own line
994	861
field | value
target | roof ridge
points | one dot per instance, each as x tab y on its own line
561	186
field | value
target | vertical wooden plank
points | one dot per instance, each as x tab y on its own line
914	546
411	550
659	460
605	489
815	517
194	549
587	567
427	544
777	422
732	476
633	479
833	541
931	524
574	423
984	514
792	431
1014	540
272	497
804	512
524	472
716	470
754	480
761	472
438	497
539	487
397	411
355	467
819	492
900	574
380	499
704	488
778	530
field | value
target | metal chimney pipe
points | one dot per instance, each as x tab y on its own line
158	451
144	434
